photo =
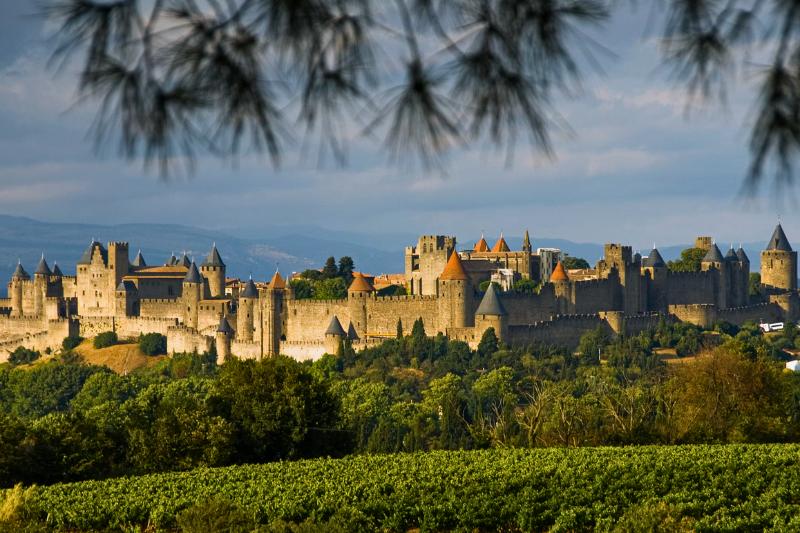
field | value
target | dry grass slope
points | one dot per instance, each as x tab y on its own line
121	358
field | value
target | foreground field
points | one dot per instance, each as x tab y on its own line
687	487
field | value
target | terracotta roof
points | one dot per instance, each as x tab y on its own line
559	274
481	246
501	245
360	284
454	269
277	281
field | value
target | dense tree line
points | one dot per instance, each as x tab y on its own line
61	420
329	283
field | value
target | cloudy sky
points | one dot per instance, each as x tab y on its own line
633	168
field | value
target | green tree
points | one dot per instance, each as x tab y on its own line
302	288
330	289
71	342
754	284
153	343
593	343
488	344
105	339
570	262
525	285
346	268
399	334
23	356
330	270
689	262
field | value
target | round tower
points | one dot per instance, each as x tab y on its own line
244	316
40	279
18	279
272	310
455	296
778	264
562	288
334	336
714	262
213	269
191	295
492	314
359	292
654	266
222	340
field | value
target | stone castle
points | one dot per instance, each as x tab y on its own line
197	307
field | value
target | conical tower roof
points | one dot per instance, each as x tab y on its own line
360	284
491	304
193	275
277	281
56	270
351	332
559	274
250	290
742	255
501	245
335	328
526	241
42	268
213	258
731	255
654	259
713	255
172	261
778	241
454	269
20	273
224	327
184	261
481	245
139	261
86	258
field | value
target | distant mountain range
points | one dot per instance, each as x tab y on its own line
255	250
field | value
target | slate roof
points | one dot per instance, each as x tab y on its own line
491	304
127	286
713	255
654	259
86	258
139	261
213	259
742	256
731	255
20	273
778	241
335	328
193	275
250	290
42	268
56	270
224	327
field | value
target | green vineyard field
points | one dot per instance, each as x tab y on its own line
731	487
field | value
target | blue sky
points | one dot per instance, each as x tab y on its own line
633	169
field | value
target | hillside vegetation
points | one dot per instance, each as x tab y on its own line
681	488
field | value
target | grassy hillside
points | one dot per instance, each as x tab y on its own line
733	487
121	358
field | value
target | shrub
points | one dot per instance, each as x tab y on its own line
153	343
23	356
105	339
215	515
71	342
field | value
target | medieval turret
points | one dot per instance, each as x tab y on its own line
18	280
501	245
223	340
245	316
139	261
334	335
455	295
213	269
714	261
358	293
271	312
481	245
492	314
191	296
778	264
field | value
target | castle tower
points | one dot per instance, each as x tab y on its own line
358	295
778	264
562	288
272	309
744	266
334	335
526	243
191	296
654	266
213	269
455	296
126	296
244	316
704	242
619	257
222	340
41	277
18	279
713	261
425	262
492	314
734	278
118	266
